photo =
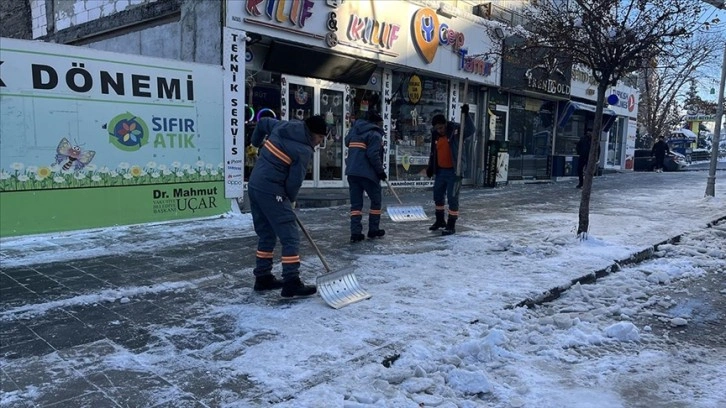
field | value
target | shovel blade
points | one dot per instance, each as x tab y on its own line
340	288
406	213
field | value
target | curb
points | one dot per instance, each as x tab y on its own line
636	258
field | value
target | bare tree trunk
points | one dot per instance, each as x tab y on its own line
584	216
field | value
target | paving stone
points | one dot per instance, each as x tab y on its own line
64	332
17	295
14	332
184	402
132	338
90	400
95	316
6	383
56	269
141	312
65	389
19	273
85	284
36	347
37	371
89	357
212	388
63	274
135	388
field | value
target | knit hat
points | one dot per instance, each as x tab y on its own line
316	124
373	117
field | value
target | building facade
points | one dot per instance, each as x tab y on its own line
290	59
332	57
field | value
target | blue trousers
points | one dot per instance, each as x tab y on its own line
273	218
356	186
444	190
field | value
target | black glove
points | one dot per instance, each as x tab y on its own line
429	173
465	108
382	176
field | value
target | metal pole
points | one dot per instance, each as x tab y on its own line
715	141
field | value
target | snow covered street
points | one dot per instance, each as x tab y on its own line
164	315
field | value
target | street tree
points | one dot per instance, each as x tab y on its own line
664	81
612	38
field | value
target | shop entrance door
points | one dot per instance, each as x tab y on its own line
304	97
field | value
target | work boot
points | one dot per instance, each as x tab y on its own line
440	222
296	287
267	282
376	234
450	227
356	238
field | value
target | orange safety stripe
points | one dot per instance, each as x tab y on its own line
375	212
354	213
358	144
440	208
264	255
291	259
454	213
277	152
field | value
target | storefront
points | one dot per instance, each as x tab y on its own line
534	90
617	142
330	58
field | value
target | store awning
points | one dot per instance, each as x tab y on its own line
304	61
569	107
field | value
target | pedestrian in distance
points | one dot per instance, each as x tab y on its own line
660	148
364	169
442	165
285	150
583	154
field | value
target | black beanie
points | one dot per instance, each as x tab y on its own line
373	117
316	124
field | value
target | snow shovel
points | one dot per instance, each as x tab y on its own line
338	288
462	124
402	212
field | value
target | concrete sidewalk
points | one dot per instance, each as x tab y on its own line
44	282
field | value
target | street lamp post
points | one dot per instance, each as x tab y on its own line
715	142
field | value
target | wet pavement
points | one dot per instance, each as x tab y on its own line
43	312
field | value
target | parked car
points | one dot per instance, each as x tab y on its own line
644	161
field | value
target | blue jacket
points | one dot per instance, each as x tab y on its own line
452	133
365	150
285	150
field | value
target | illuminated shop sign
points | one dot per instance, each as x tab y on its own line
277	11
372	31
427	34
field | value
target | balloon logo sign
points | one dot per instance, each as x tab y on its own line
613	99
424	33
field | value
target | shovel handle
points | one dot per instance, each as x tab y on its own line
394	192
310	239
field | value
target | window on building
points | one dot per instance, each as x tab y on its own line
411	126
531	127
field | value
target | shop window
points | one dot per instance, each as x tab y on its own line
411	126
362	101
615	142
567	137
498	98
263	100
530	136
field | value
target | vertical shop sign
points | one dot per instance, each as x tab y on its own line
234	112
387	94
454	101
